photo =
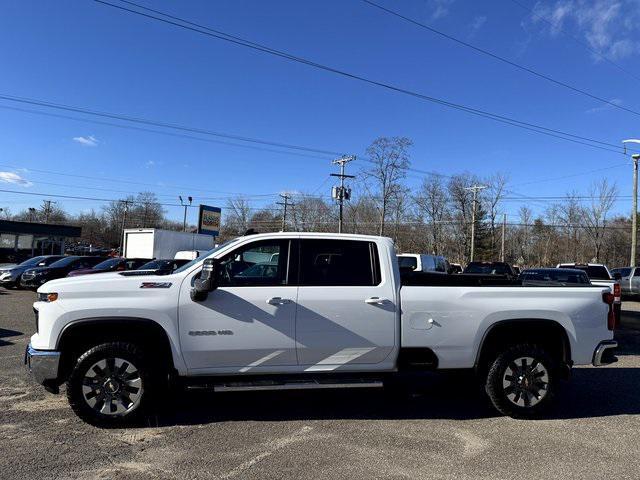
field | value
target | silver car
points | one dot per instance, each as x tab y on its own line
629	280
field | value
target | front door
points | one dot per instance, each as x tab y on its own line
247	324
346	311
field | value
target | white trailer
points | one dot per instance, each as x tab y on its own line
156	243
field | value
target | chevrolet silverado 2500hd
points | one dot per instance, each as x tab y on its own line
306	310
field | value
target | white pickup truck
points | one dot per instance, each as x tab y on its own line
306	310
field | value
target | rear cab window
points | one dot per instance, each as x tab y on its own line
339	263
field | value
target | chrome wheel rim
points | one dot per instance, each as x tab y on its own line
112	386
525	382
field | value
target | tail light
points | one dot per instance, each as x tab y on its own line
609	298
617	292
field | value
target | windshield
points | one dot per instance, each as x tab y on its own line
31	261
63	262
555	275
107	264
188	265
154	264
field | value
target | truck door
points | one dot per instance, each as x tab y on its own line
346	312
247	324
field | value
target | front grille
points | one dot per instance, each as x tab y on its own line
27	276
37	314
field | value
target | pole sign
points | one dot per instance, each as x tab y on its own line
209	220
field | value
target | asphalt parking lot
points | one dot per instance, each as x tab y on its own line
441	428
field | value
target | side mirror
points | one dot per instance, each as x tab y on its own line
207	281
617	276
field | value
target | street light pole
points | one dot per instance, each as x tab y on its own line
475	189
185	205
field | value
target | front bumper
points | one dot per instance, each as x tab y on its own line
42	364
604	354
34	282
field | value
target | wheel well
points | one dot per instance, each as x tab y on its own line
549	334
80	336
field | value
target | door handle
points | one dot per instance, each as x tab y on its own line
278	301
375	301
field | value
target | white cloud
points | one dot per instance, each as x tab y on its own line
439	8
606	106
607	26
477	23
89	141
149	163
10	177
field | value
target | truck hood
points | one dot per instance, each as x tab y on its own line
108	283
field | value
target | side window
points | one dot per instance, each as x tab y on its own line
257	264
339	263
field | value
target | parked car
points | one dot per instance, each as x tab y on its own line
516	269
10	276
163	266
599	275
117	264
545	277
34	277
490	268
419	262
629	280
334	316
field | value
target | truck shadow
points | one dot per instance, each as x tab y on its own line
433	396
4	333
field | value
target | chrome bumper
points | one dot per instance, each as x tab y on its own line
603	354
42	364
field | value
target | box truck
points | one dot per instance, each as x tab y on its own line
156	243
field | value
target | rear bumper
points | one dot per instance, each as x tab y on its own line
42	364
604	354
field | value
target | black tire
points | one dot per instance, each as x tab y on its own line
111	385
521	382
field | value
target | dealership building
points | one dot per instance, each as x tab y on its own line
19	240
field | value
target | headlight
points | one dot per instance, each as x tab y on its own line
47	297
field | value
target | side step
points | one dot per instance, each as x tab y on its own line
286	385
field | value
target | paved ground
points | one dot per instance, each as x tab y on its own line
439	430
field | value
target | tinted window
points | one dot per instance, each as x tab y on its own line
31	261
594	272
64	262
488	269
338	263
262	263
408	262
555	275
108	264
625	272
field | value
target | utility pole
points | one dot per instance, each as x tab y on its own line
185	205
504	231
634	214
32	212
124	221
340	194
475	189
285	203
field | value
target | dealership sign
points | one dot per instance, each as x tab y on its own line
209	220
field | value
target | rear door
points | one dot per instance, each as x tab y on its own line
346	309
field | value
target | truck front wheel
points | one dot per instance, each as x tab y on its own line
521	381
110	384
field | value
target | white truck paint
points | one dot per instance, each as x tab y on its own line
163	244
295	328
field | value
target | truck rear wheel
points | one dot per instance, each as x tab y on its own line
521	381
110	385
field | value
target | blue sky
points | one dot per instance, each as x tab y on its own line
82	53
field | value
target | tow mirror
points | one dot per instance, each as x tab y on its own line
207	281
617	276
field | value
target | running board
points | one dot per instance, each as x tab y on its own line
293	385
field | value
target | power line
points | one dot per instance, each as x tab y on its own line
577	40
500	59
185	24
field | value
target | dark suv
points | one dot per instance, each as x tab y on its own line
34	277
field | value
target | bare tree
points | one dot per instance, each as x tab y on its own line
431	203
493	194
238	214
595	216
390	159
570	214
